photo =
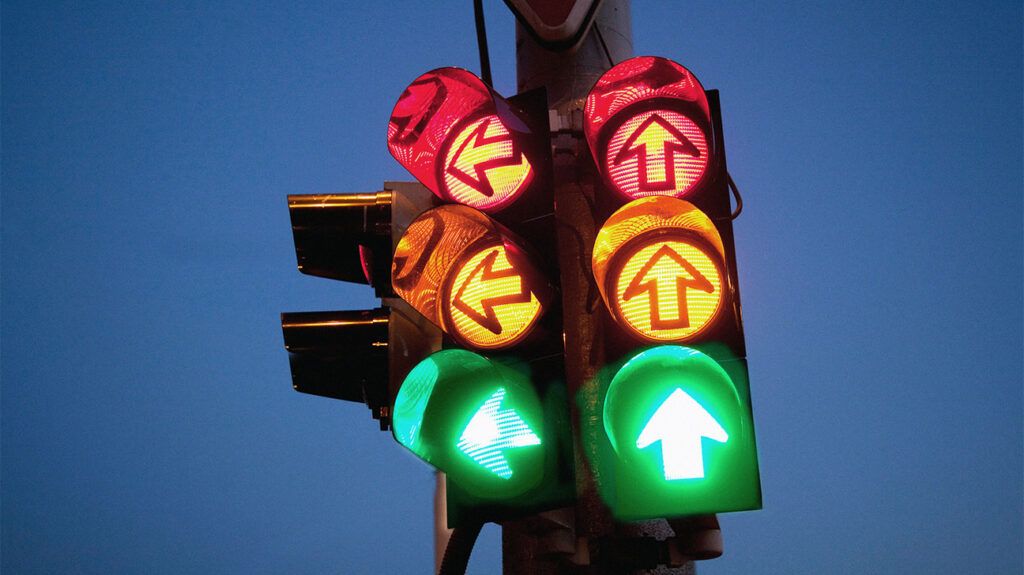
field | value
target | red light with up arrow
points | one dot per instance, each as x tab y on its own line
648	125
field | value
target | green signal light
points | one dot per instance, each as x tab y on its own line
477	420
412	403
493	430
681	432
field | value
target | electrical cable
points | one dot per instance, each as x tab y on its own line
481	42
600	38
460	546
736	194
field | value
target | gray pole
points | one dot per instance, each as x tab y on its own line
563	541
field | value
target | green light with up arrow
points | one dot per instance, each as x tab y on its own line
681	428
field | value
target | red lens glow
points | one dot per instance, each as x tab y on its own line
647	121
485	166
460	139
656	153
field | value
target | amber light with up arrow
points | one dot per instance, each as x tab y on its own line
659	265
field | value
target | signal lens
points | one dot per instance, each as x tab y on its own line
465	273
668	290
656	153
485	166
490	304
658	262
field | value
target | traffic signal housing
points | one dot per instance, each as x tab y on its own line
462	263
356	355
675	409
490	410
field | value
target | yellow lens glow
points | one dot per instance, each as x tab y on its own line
490	302
484	165
668	290
659	263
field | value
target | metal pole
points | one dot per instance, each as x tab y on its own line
533	545
441	531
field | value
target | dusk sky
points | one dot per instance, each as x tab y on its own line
148	419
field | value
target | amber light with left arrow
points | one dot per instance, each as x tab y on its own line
470	276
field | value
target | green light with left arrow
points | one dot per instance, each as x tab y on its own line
477	420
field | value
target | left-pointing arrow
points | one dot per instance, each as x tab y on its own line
680	423
487	288
492	431
480	153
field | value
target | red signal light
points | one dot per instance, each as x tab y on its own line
656	153
460	139
484	166
648	126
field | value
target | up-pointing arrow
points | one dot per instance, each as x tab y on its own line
685	276
680	423
491	431
653	131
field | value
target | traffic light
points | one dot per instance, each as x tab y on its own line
675	410
477	419
464	360
356	355
648	124
469	145
471	276
490	410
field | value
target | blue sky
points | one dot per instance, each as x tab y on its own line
148	423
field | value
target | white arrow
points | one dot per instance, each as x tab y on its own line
679	424
491	431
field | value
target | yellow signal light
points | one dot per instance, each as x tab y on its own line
465	273
489	303
659	264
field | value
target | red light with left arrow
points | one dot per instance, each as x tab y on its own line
463	141
485	165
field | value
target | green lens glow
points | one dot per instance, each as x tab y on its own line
412	403
477	420
493	430
681	429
